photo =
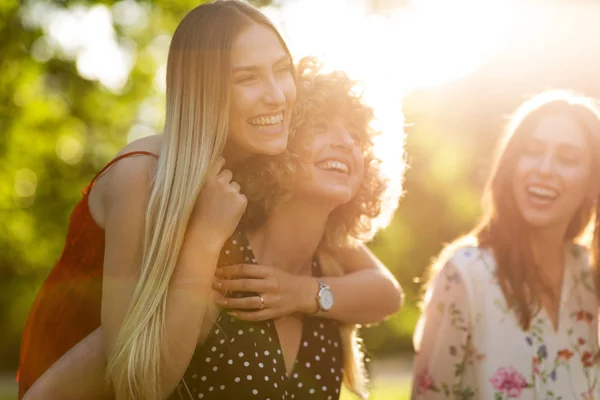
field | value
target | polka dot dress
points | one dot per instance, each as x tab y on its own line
243	360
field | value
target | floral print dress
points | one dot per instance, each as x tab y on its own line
469	344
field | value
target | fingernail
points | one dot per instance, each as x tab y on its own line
218	284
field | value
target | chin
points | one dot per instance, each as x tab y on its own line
273	149
540	221
338	197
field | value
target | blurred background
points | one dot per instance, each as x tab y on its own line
79	79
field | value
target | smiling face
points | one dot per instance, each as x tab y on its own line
334	164
552	176
262	96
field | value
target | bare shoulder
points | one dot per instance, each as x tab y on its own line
136	170
150	144
129	181
127	188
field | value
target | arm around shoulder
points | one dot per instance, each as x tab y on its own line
365	291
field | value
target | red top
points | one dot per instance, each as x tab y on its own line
67	307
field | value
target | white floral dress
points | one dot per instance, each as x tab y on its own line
470	346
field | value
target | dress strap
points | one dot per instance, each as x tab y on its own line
110	164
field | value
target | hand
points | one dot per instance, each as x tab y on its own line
220	205
279	293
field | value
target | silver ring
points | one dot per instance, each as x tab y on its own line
262	302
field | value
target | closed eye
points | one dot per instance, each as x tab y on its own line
285	68
320	127
356	137
245	78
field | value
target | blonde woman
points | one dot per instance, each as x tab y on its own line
147	234
323	194
512	311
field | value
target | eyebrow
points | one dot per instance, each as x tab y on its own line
561	145
571	147
255	67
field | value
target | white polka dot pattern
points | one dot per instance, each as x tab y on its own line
250	364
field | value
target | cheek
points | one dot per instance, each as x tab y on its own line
289	88
243	102
577	182
360	174
312	146
520	175
523	167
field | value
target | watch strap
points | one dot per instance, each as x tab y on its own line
322	285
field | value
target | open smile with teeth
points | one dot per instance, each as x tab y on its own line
542	193
266	121
332	165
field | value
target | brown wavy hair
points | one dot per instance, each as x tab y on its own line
270	180
502	228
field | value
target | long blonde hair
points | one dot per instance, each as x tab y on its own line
196	129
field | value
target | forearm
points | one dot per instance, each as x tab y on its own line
79	374
187	303
363	297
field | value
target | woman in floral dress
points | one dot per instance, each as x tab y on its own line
511	310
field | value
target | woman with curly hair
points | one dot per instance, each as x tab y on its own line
288	330
511	310
324	193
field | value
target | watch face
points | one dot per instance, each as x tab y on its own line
326	299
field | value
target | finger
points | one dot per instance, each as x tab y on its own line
241	303
248	285
219	286
260	315
244	271
215	296
235	185
225	176
218	166
244	200
249	303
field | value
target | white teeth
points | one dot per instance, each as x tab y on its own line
265	121
333	166
542	192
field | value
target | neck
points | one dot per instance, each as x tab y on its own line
548	250
234	155
291	235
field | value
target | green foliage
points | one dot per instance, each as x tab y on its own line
57	129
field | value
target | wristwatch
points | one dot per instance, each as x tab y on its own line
324	297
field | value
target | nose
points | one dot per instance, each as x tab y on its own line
545	164
273	93
342	139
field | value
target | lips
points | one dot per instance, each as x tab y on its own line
541	195
334	165
542	192
267	120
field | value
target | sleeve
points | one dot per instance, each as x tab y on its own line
441	339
